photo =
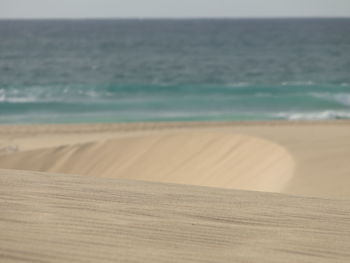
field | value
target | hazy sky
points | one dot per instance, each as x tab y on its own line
172	8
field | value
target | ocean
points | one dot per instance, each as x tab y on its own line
81	71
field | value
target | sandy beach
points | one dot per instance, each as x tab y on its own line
194	207
299	158
175	131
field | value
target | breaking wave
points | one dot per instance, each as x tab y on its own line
322	115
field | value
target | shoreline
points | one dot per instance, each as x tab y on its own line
132	126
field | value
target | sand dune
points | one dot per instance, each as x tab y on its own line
47	217
217	159
310	159
66	218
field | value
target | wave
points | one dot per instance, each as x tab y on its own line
44	94
14	99
298	83
321	115
151	102
72	93
342	98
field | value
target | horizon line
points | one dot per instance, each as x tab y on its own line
174	18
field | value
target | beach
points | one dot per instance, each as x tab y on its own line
298	158
160	139
164	192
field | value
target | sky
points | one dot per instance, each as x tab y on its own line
172	8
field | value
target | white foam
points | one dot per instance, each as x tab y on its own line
2	95
239	84
320	115
21	100
298	83
342	98
44	94
12	98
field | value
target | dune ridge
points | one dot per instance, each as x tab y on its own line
317	153
217	159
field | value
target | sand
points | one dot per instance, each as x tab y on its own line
93	204
68	218
299	158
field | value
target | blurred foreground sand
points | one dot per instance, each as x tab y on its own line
69	218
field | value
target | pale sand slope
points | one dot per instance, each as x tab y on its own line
217	159
297	158
68	218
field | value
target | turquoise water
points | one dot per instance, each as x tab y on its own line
174	70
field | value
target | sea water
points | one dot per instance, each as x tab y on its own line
71	71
